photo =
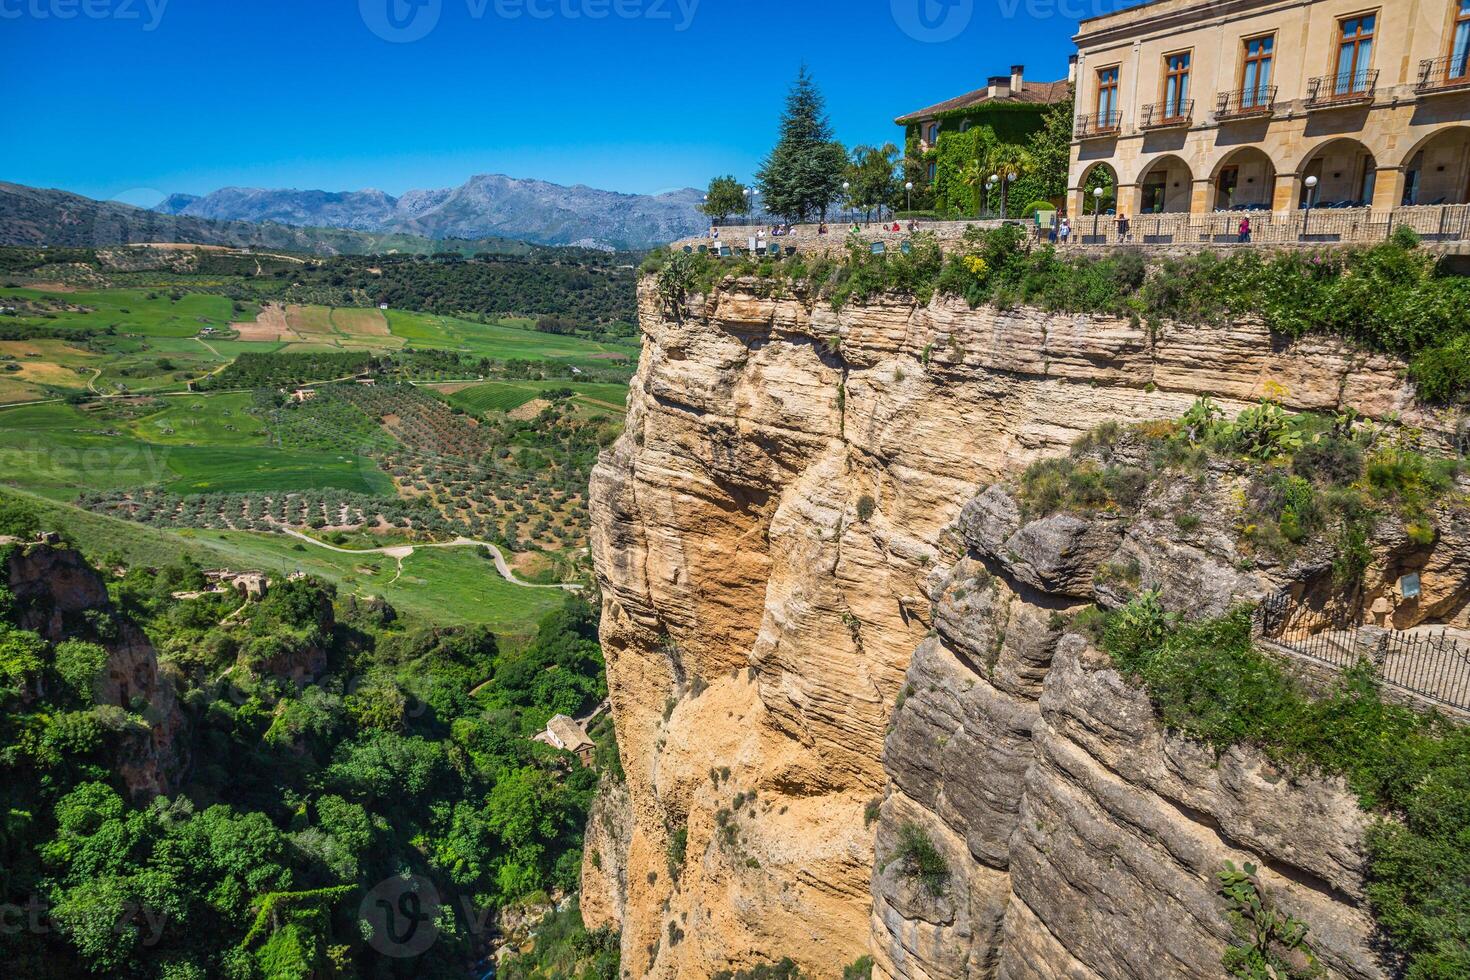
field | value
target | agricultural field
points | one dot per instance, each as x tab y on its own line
158	422
507	396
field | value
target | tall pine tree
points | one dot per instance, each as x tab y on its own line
803	174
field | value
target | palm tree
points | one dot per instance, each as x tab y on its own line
1007	161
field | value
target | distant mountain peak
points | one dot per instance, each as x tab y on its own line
485	205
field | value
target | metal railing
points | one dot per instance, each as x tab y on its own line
1432	663
1166	115
1099	124
1246	102
1448	74
1347	88
1322	225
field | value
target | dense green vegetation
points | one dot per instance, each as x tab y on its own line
566	950
300	798
1208	681
1309	478
1392	297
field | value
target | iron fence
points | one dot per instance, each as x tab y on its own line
1166	115
1432	663
1346	88
1099	124
1444	74
1246	102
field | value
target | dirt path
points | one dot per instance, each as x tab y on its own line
401	551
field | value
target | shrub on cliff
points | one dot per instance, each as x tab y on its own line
1208	681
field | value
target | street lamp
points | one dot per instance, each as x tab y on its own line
1010	178
1311	202
908	187
846	199
1097	196
990	183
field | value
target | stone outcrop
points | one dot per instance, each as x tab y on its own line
61	597
786	553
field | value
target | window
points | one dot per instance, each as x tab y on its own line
931	133
1107	96
1354	53
1176	85
1460	42
1255	76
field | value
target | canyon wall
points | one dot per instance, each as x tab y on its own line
776	533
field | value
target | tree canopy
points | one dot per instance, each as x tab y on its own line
802	176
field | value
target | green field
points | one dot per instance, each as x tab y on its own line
504	340
440	586
506	396
57	449
132	311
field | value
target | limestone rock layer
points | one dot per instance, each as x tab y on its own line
777	535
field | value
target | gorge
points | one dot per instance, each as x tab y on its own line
829	625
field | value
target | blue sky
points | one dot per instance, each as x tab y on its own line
129	99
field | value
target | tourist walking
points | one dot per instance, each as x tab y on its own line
1122	227
1245	231
1064	232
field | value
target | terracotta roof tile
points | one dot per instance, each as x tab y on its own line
1035	93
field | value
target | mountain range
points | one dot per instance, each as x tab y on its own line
35	216
487	205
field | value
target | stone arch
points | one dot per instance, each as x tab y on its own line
1437	168
1346	171
1100	173
1165	185
1243	179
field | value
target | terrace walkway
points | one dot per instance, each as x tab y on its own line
1424	666
1443	228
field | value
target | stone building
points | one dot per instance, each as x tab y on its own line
1202	106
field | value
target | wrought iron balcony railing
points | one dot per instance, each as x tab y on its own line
1099	124
1348	88
1166	115
1247	102
1444	74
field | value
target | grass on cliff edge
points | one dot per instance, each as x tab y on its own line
1208	681
1393	297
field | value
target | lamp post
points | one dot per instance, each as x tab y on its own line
1097	196
1010	179
747	205
990	183
908	188
755	200
1311	202
846	199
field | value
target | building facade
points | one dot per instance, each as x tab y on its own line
1204	106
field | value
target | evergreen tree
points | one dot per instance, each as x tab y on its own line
725	196
803	174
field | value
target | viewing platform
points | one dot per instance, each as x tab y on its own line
1441	228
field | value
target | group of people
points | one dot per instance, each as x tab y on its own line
1060	231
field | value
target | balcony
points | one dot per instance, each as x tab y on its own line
1438	75
1246	103
1099	125
1347	89
1166	115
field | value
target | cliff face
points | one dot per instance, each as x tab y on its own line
771	532
60	597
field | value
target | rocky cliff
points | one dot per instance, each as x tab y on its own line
812	643
60	597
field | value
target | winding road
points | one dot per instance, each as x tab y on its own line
401	551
